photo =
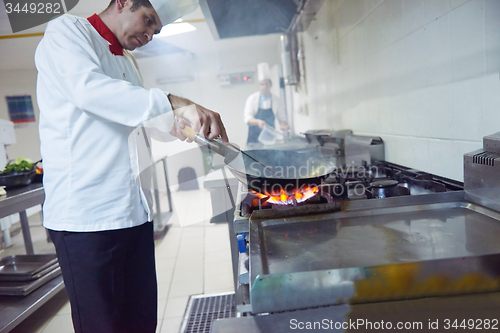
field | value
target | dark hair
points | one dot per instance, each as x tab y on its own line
136	4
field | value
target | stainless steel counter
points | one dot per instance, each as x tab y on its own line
14	309
433	314
364	250
339	257
17	201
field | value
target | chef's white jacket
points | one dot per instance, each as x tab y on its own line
252	106
92	106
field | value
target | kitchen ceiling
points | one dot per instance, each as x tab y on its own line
84	8
18	53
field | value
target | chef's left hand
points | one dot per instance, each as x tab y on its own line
284	126
204	121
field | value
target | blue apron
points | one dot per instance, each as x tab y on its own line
254	130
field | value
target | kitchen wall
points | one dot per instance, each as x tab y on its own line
423	75
21	82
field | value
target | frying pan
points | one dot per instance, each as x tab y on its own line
269	171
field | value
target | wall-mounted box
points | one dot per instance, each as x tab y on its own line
236	78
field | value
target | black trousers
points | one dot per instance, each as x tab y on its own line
110	278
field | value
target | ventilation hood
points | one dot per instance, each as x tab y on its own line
239	18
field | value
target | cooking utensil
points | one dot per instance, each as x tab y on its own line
231	150
292	170
269	171
15	179
326	135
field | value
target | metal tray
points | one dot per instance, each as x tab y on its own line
23	288
27	277
25	267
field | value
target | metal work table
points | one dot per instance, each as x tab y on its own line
15	309
17	201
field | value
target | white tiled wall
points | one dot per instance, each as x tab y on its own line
421	74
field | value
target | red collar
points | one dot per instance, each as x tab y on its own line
104	31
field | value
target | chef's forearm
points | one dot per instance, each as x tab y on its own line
253	121
179	102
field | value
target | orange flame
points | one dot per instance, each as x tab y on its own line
284	198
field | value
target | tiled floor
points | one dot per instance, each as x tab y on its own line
193	258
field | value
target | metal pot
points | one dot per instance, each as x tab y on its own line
327	136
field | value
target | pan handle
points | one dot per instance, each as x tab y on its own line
214	145
189	133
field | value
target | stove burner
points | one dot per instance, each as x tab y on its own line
386	183
381	180
386	188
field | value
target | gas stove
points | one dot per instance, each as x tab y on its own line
370	232
346	183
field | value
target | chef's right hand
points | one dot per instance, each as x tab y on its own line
202	120
261	123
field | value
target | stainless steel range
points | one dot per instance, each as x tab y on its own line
372	231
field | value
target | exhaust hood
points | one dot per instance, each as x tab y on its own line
239	18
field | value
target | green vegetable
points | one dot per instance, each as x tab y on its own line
20	160
19	165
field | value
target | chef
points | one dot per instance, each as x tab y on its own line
262	107
93	108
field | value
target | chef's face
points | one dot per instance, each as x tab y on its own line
137	27
265	87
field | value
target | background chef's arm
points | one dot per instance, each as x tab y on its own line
258	122
66	60
251	107
281	113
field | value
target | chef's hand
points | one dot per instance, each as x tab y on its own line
284	126
257	122
203	121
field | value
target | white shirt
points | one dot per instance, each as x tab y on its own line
252	106
90	102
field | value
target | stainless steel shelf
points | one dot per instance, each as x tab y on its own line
15	309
